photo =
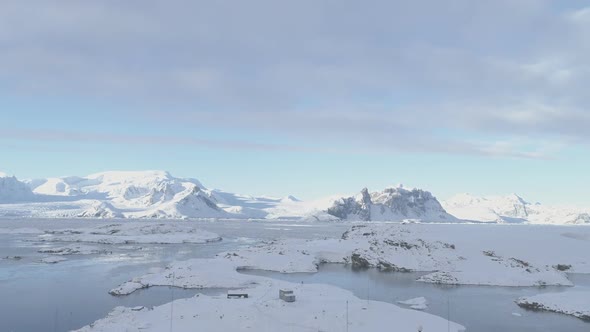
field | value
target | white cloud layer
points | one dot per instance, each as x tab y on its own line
422	75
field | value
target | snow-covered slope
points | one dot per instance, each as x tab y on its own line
101	210
116	185
153	194
253	207
190	202
391	204
512	209
143	194
56	186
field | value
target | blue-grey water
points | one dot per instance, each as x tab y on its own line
478	308
37	297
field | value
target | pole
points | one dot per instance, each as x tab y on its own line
172	303
346	316
368	288
448	315
55	320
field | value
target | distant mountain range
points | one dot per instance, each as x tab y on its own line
144	194
512	209
157	194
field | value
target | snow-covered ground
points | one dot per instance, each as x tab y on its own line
452	257
316	308
575	302
195	273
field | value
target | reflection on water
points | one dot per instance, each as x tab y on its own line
68	295
478	308
66	304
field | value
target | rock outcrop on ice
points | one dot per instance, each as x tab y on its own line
512	209
575	302
391	204
132	233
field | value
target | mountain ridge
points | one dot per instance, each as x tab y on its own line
158	194
512	208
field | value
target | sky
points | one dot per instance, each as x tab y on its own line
307	98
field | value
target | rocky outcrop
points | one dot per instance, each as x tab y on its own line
391	204
358	208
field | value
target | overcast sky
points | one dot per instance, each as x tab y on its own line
303	97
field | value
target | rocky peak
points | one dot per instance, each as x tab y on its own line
391	204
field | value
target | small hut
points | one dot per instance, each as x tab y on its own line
286	295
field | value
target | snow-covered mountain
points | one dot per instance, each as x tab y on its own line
118	185
12	190
158	194
143	194
512	209
391	204
262	207
154	194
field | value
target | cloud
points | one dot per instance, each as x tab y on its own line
390	142
384	75
110	138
